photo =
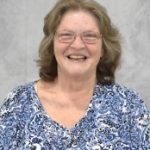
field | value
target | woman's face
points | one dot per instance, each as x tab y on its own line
77	44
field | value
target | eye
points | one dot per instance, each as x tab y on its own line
65	35
90	35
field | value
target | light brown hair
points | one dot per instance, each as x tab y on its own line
110	40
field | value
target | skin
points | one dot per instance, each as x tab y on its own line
78	22
72	90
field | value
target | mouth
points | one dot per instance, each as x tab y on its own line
77	57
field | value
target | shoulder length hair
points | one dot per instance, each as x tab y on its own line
111	44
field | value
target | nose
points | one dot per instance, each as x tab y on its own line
78	42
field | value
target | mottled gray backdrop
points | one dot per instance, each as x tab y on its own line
21	23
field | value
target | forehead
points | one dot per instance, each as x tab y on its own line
78	19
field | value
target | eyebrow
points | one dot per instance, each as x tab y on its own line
68	30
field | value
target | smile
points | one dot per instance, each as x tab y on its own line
77	57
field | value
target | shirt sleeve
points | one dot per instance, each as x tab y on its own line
10	129
139	123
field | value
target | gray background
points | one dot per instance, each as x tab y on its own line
21	23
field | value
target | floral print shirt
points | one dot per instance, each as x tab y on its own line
116	119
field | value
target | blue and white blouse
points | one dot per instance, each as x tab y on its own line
116	119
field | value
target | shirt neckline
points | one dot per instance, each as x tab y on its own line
59	125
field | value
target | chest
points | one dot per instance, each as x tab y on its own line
88	134
65	111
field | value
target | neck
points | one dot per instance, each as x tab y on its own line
76	92
76	84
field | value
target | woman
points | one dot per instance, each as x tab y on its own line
76	103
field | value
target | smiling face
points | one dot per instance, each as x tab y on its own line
76	54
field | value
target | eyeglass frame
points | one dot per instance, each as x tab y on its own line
74	35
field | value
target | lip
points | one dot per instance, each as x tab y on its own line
77	54
77	57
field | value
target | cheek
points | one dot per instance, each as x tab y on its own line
97	51
59	48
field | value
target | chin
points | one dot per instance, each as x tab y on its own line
78	74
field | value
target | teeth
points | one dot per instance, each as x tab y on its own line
77	57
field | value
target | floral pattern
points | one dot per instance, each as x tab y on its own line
116	119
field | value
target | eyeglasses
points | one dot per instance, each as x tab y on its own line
86	37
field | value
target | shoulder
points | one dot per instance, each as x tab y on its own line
17	103
17	96
117	90
14	114
120	97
